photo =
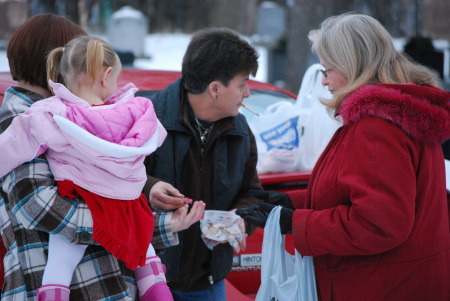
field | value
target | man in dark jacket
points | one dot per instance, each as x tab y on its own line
209	155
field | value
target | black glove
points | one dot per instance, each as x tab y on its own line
272	197
257	215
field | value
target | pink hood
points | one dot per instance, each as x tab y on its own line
126	120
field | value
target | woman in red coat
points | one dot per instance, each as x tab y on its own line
374	216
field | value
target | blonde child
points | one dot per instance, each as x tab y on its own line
95	138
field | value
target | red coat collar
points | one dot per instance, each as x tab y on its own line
422	112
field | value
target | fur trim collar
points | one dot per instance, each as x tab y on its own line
422	112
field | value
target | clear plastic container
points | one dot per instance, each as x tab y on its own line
219	226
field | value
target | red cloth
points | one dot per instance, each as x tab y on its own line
124	228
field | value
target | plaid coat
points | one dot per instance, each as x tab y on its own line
30	208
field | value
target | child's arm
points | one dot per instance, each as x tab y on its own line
19	144
29	193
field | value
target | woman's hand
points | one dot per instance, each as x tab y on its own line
257	215
272	197
182	220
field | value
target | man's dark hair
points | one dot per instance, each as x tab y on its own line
216	54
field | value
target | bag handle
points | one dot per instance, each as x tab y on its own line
310	82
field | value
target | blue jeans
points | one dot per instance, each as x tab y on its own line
218	293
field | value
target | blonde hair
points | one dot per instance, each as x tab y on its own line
83	54
361	48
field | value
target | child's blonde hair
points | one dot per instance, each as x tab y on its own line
83	54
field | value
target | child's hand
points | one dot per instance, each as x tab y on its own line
182	220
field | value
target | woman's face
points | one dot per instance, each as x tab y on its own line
333	78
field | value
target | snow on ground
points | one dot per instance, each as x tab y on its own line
3	61
164	51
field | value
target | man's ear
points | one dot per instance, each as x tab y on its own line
106	75
213	88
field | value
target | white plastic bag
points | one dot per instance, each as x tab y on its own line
219	225
277	138
316	126
447	174
284	277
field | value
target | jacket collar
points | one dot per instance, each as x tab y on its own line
121	95
422	112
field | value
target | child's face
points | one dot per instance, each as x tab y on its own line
110	86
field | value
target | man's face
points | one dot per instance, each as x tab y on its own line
229	98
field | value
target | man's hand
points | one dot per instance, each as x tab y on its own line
257	215
243	242
272	197
164	196
182	220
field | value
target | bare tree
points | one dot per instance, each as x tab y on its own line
303	16
402	18
198	18
399	17
436	18
83	13
235	14
72	10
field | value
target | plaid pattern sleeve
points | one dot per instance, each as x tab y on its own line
163	237
30	208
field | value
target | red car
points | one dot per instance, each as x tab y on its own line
245	274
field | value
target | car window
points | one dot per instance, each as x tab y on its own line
260	100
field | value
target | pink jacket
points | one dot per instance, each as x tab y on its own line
99	148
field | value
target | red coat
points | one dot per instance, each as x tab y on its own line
375	214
